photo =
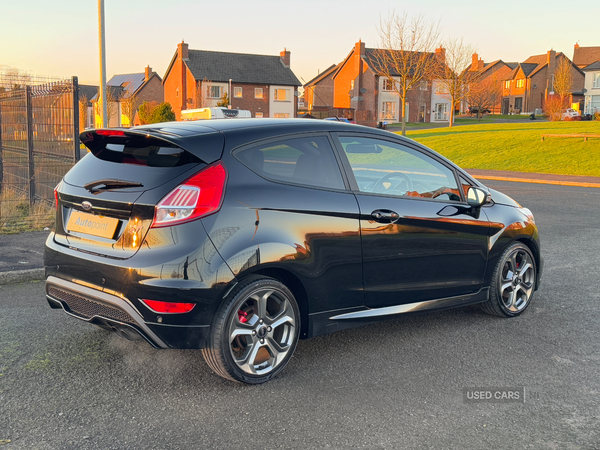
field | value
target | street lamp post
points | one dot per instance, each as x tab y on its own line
102	96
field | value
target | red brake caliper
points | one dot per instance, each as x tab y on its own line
242	316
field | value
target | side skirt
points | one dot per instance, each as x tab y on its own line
330	321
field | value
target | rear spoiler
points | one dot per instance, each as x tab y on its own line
205	145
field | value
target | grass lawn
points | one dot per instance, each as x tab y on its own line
518	146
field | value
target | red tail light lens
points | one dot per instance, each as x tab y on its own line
168	307
56	197
198	196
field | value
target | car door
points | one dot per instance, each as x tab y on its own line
420	239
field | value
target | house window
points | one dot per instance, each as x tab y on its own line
389	110
258	93
423	85
518	104
259	115
177	92
237	92
388	85
351	85
282	115
507	84
281	95
215	92
596	80
520	83
441	111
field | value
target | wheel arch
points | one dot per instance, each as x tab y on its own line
294	284
498	249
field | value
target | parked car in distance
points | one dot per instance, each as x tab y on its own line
475	109
570	114
239	237
340	119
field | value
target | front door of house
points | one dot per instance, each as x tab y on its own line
505	105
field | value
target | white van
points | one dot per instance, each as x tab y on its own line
214	113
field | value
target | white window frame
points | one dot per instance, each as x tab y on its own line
388	85
385	110
423	86
237	92
277	94
258	93
211	90
596	80
281	115
520	83
507	84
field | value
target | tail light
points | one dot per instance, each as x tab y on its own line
168	307
198	196
56	196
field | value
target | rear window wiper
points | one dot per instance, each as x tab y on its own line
102	185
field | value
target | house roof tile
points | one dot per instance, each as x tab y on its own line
592	66
322	75
240	67
584	56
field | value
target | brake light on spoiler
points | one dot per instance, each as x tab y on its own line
198	196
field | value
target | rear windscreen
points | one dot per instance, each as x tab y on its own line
140	151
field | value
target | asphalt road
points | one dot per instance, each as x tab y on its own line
395	385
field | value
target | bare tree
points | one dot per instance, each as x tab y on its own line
112	103
405	57
203	93
83	112
14	79
453	76
563	79
485	94
129	106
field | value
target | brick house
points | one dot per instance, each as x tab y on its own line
128	91
263	84
526	88
86	107
488	76
588	60
359	88
318	92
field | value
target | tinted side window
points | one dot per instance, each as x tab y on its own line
309	161
383	167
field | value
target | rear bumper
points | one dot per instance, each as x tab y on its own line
117	313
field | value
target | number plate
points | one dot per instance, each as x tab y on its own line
90	224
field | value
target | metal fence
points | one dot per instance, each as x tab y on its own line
39	143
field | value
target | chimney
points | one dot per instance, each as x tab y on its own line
182	51
474	62
359	48
148	72
441	53
551	60
285	57
576	46
480	64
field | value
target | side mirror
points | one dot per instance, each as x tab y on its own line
477	197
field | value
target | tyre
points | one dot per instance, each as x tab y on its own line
513	282
255	331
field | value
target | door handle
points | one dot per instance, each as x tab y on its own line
385	215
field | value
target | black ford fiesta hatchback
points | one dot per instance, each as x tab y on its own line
239	237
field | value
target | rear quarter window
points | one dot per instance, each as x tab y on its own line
307	161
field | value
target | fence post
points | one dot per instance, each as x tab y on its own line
30	162
1	167
75	85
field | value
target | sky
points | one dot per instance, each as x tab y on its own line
60	38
